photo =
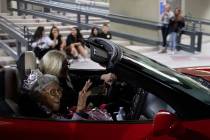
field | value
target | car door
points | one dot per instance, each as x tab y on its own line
34	129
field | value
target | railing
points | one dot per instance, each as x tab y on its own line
198	23
16	32
87	4
9	50
95	13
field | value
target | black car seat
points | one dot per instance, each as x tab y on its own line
9	91
25	63
153	105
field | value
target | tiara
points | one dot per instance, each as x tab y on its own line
31	79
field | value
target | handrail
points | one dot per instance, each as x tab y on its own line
23	30
9	23
112	17
196	20
8	49
86	25
16	32
96	13
94	5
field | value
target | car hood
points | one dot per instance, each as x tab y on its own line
203	72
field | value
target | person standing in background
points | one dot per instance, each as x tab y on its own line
175	26
165	19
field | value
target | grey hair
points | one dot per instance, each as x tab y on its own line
52	62
41	83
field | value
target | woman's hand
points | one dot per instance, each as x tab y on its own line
83	94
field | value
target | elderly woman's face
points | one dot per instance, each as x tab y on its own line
51	96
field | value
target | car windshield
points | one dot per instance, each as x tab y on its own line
170	76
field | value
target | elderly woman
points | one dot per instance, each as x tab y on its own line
55	63
44	97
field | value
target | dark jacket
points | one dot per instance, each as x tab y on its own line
71	39
69	98
107	35
176	24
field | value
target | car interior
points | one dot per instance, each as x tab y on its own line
138	103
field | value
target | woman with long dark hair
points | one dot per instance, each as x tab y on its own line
57	38
75	44
94	32
41	44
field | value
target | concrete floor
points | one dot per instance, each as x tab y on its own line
183	58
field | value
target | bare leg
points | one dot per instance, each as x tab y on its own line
74	51
82	51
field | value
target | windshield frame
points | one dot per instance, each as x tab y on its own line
169	76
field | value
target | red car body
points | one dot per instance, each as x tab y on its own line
190	121
68	130
203	72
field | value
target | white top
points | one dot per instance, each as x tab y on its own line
167	16
87	64
43	43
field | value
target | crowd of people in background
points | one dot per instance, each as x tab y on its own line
74	44
172	24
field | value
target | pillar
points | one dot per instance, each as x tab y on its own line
140	9
3	6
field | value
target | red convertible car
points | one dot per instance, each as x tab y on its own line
200	74
159	102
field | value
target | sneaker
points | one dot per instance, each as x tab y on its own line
173	52
81	59
87	59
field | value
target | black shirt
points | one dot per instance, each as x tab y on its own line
107	35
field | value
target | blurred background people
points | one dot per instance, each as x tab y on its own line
165	19
75	44
94	32
56	37
105	32
175	26
41	43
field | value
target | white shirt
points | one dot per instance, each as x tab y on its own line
167	16
43	43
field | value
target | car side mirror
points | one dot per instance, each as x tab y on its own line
166	123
